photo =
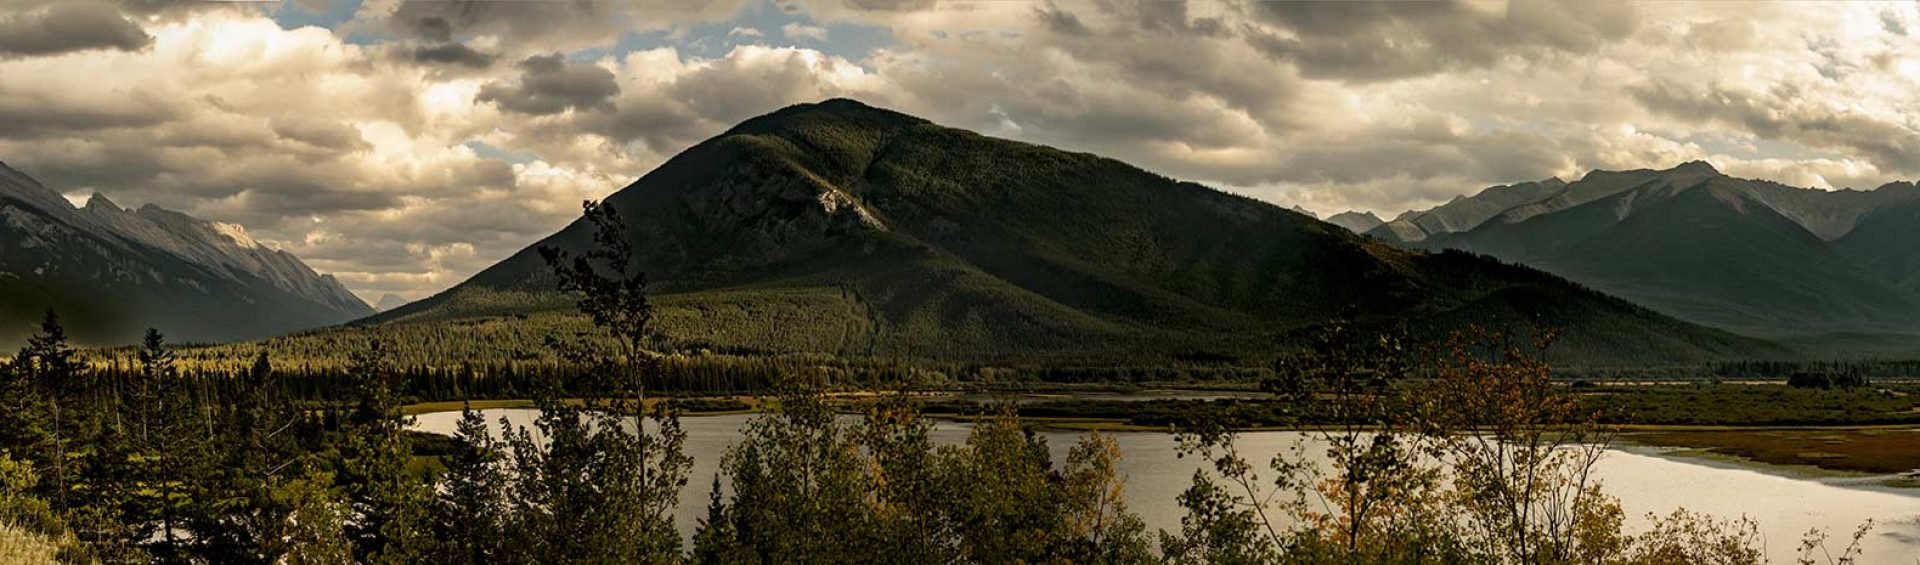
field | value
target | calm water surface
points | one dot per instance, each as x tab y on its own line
1644	480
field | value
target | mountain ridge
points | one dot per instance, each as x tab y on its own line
114	271
1756	257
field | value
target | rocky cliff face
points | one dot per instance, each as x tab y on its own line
225	248
111	269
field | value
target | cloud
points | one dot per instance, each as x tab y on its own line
529	28
453	54
399	152
550	85
1790	112
1367	41
67	27
802	31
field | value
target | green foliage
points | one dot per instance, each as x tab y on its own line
810	487
388	504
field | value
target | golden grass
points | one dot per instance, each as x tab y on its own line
1855	450
18	547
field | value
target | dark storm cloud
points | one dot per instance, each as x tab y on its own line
67	27
524	27
1367	41
33	117
434	44
1060	21
433	29
453	54
660	125
550	85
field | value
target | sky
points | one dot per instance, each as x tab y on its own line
403	145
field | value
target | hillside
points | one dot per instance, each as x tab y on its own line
112	272
845	229
1753	257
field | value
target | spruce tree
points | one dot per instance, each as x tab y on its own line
472	504
389	504
52	369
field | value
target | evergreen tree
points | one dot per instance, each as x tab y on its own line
389	503
472	506
49	365
243	509
167	423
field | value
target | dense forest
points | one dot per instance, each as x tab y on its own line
1468	452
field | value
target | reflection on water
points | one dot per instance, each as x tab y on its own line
1645	483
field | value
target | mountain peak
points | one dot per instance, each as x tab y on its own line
389	302
99	202
24	188
1696	166
831	112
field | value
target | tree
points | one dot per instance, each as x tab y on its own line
249	495
389	520
314	529
1377	500
472	505
1521	451
578	492
49	365
167	424
809	486
604	485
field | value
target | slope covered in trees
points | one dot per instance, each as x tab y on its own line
885	235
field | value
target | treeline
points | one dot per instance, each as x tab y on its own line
1851	371
670	373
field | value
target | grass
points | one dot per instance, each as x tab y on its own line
1856	450
456	406
705	406
18	547
1748	405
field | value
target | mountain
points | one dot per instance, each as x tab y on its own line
1884	240
112	272
1356	222
389	302
1465	212
1755	257
840	228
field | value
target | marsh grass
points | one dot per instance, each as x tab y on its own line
19	547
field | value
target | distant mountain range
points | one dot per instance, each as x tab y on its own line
1835	270
841	228
111	273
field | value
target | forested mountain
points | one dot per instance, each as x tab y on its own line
113	272
841	228
1756	257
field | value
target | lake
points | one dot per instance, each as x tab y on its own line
1645	480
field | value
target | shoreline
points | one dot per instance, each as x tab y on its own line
1775	450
